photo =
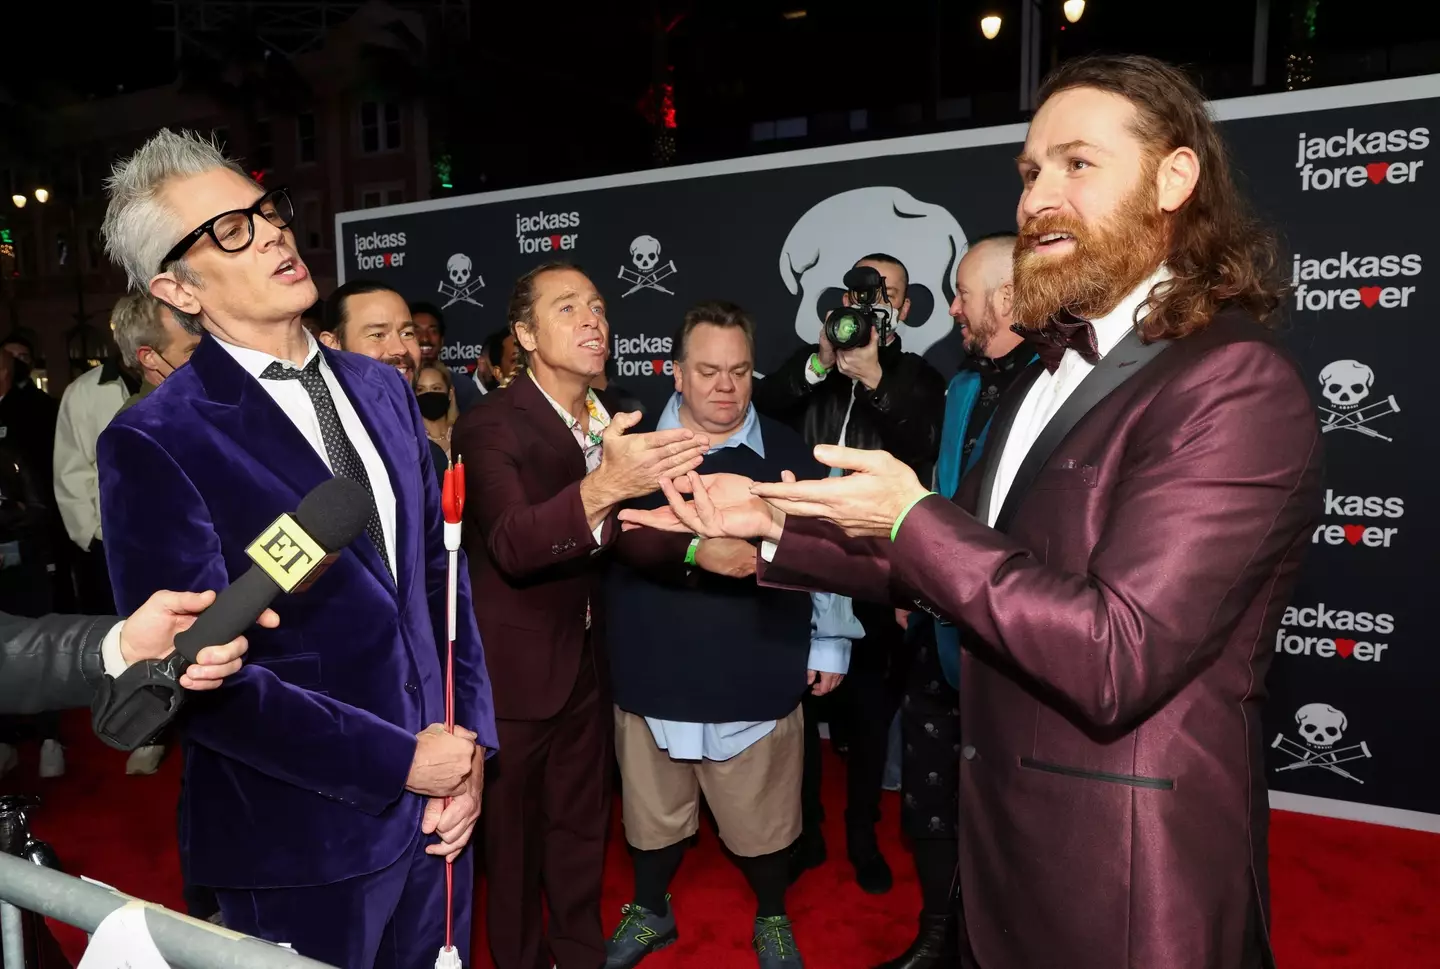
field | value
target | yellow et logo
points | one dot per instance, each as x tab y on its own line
287	554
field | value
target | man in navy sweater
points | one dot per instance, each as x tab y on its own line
709	668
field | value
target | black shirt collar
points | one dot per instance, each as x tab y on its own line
1022	354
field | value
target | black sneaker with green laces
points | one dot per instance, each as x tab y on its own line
774	943
639	933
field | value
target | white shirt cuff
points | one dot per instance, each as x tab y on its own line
811	377
599	530
110	651
768	549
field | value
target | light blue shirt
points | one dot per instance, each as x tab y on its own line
832	627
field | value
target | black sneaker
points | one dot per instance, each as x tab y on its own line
872	871
807	852
639	933
774	943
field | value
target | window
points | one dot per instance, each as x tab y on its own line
305	138
92	175
264	146
791	128
95	250
386	193
379	127
312	223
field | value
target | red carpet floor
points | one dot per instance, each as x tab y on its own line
1345	895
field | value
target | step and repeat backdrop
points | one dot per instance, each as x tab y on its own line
1347	175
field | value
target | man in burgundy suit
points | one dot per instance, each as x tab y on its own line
1122	555
541	505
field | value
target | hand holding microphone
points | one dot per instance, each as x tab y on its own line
149	634
289	555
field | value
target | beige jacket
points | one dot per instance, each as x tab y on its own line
86	408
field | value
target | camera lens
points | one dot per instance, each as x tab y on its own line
846	326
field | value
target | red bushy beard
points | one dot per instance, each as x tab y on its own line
1106	262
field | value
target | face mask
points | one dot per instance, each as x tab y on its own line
433	405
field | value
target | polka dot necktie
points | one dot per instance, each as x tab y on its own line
343	458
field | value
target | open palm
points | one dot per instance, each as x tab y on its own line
721	506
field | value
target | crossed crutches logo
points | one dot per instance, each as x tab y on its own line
1358	420
463	281
1321	727
1344	384
645	254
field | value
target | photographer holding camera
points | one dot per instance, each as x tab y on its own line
860	389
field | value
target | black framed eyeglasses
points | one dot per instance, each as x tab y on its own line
235	230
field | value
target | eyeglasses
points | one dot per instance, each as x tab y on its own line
235	230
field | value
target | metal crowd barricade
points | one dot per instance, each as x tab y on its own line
185	943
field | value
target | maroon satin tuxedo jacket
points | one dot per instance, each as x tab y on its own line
1113	800
532	566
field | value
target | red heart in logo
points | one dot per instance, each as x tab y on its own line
1345	647
1376	171
1369	295
1353	533
658	364
554	242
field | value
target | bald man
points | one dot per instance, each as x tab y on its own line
929	711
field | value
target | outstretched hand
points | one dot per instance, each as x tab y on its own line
865	503
722	506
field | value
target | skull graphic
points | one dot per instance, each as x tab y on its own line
1345	383
1320	724
828	239
459	266
645	252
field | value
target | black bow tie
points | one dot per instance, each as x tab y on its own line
1061	333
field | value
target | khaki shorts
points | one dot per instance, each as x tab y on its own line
755	795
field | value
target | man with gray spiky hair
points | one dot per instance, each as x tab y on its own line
314	789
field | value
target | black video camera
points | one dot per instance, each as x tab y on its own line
853	326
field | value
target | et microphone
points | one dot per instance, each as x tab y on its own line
288	556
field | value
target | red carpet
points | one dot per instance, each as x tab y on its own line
1345	895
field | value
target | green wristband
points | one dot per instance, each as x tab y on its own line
895	529
815	367
690	552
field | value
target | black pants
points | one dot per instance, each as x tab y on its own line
861	711
26	590
930	752
92	581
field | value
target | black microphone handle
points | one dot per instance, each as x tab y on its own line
235	610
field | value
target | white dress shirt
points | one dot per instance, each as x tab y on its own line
1051	390
294	400
593	452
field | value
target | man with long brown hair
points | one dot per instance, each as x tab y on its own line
1121	556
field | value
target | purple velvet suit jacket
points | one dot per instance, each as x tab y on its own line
533	561
1113	801
297	767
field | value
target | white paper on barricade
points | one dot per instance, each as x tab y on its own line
122	941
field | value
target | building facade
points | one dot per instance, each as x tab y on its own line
331	131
